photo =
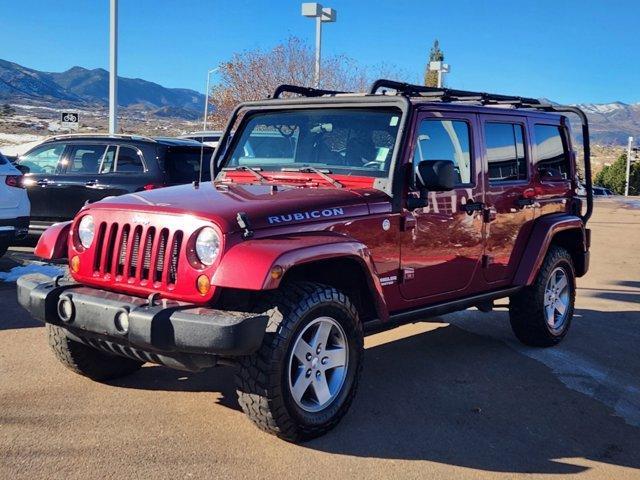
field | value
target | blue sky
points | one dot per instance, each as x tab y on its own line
566	50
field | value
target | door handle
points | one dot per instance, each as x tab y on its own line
43	183
471	207
91	183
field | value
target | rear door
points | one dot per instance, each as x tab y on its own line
42	167
509	193
441	251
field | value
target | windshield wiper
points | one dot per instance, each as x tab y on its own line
322	173
243	168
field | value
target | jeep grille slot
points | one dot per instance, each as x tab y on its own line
137	254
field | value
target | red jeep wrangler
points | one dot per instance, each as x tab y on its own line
332	215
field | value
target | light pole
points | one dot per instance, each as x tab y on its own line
441	68
629	151
113	67
328	15
206	103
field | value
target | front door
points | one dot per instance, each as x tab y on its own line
443	242
509	194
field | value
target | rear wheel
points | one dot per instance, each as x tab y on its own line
541	314
88	361
302	380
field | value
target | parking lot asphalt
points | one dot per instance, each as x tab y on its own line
457	399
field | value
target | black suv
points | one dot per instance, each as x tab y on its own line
64	172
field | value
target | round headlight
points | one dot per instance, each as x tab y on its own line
207	245
86	231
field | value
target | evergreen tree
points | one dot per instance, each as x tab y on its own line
435	55
614	176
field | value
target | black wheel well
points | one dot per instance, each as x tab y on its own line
572	240
344	274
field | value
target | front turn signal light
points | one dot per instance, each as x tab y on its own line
75	263
203	284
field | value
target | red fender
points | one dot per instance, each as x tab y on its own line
248	265
53	242
543	232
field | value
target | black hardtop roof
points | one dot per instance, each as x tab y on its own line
121	138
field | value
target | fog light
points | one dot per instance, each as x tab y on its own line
121	321
203	284
75	263
65	309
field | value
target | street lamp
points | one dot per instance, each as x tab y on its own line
113	67
441	68
206	103
328	15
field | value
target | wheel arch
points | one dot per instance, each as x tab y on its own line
566	231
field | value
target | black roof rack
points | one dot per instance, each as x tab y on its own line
451	95
304	91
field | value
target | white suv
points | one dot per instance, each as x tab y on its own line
14	205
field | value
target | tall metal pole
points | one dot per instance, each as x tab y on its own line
626	184
206	102
113	67
318	47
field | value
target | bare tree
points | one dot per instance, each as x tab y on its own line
254	75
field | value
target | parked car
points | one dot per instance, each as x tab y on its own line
65	172
14	205
208	137
602	192
374	210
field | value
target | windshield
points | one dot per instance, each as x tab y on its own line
347	141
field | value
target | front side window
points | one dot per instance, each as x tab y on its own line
341	140
552	158
505	152
43	159
445	140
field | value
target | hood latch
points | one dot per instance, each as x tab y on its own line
243	222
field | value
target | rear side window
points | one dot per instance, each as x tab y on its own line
182	165
505	152
85	159
128	161
445	140
552	157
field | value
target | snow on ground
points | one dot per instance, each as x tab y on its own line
36	267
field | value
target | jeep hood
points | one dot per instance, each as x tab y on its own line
288	205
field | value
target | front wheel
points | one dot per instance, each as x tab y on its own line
541	314
302	380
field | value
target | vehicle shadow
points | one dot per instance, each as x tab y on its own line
453	397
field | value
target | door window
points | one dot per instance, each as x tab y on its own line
182	165
505	152
43	159
445	140
552	157
86	159
128	160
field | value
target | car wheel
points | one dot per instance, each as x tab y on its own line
302	380
541	314
88	361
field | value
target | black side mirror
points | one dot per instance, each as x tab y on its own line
436	175
23	168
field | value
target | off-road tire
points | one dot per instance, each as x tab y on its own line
526	307
87	361
262	382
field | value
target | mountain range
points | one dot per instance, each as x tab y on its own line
79	87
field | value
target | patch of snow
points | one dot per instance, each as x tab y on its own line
16	272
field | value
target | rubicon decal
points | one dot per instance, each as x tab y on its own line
300	216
